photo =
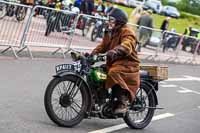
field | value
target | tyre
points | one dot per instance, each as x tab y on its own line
188	48
94	34
86	28
66	101
138	117
2	10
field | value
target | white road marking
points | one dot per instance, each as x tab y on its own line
162	82
186	78
121	126
191	77
179	79
198	107
185	90
168	86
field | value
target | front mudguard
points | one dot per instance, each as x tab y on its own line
154	88
89	108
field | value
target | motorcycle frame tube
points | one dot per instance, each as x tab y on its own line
151	87
89	91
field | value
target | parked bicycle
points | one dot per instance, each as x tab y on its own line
99	27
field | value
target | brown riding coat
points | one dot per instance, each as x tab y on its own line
125	70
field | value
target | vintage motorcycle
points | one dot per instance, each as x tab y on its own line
77	91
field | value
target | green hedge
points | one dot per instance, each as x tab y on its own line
192	18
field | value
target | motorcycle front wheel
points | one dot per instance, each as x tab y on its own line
66	100
141	115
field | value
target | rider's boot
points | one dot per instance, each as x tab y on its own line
122	108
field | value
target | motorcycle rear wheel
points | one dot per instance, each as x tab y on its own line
62	106
130	118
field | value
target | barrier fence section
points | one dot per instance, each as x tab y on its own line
50	29
89	32
191	46
149	41
25	26
166	45
13	20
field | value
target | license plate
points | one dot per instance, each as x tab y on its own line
64	67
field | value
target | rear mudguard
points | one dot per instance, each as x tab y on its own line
59	75
149	84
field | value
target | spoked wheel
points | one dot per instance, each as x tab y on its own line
2	10
94	34
66	100
86	28
140	115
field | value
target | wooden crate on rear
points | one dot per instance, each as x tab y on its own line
158	72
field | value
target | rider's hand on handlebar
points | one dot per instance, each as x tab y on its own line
111	55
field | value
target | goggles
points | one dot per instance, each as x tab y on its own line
111	19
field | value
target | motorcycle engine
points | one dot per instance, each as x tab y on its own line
106	111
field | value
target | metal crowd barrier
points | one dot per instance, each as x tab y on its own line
89	32
149	41
166	45
192	47
13	20
65	30
50	29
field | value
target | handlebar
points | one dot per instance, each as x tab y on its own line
89	57
99	57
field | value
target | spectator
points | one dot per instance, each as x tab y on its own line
66	4
87	7
90	6
188	41
165	24
58	15
83	7
145	33
109	7
198	36
188	31
100	7
135	16
77	3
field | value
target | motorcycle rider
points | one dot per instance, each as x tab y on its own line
122	61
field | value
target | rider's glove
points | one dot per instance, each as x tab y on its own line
117	53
